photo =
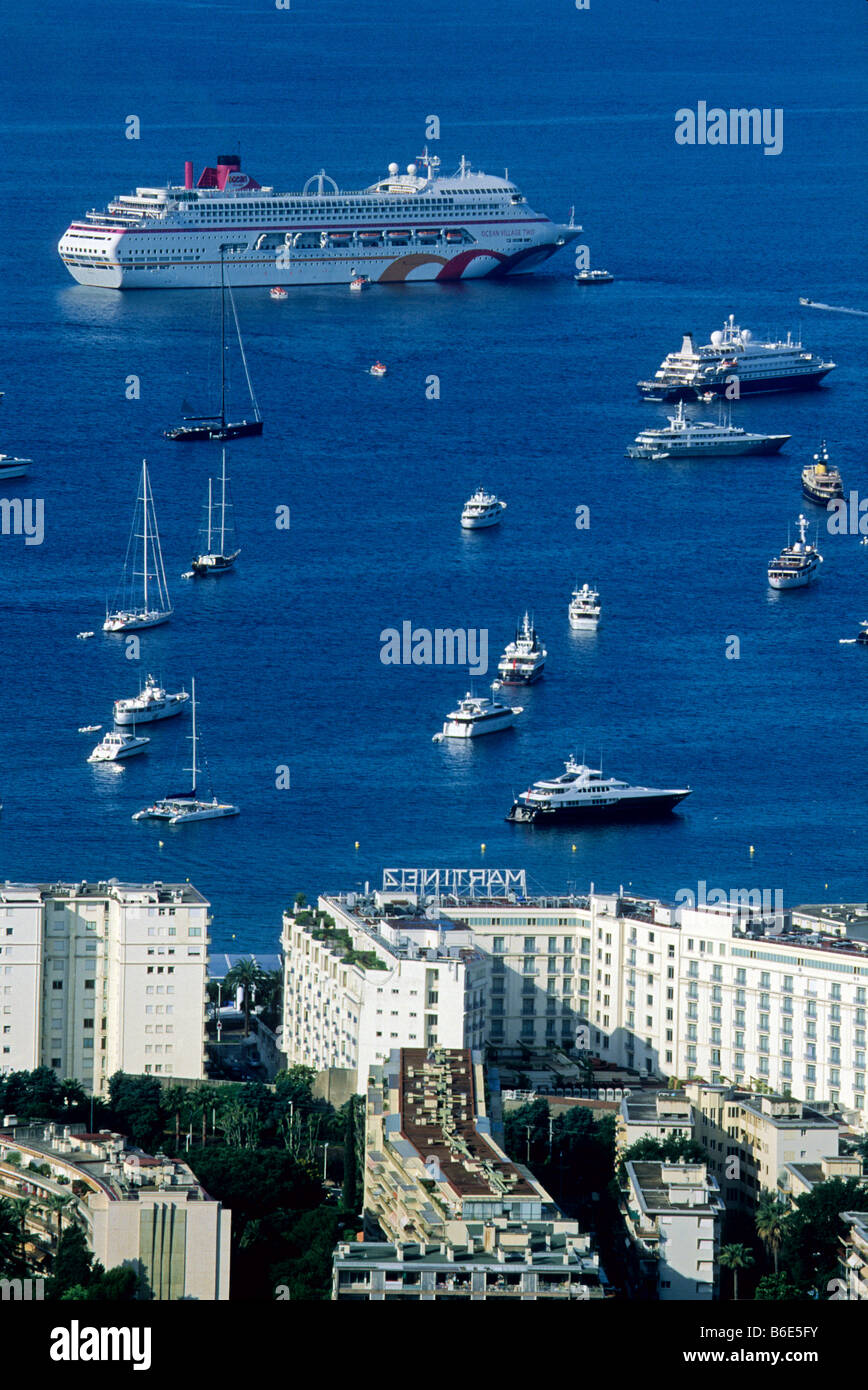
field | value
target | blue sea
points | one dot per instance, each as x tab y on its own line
537	401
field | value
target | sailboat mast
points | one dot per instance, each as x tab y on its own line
193	698
209	516
145	530
223	508
222	345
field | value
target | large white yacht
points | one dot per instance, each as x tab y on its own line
694	371
686	438
584	610
797	564
582	793
482	509
476	715
523	660
418	225
116	745
153	702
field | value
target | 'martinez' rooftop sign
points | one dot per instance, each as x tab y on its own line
490	882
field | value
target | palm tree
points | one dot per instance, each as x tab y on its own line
244	975
771	1225
9	1237
735	1257
57	1202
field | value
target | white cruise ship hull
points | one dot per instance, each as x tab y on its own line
180	259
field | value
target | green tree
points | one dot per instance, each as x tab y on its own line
777	1288
72	1263
811	1238
137	1105
57	1203
526	1132
350	1195
247	976
10	1239
735	1257
771	1225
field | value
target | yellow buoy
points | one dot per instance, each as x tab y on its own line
751	849
160	843
482	847
357	844
574	849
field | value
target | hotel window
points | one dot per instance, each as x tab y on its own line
497	946
529	945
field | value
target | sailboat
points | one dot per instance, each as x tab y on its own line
217	556
155	606
180	807
217	426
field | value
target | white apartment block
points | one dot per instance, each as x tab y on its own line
146	1213
103	977
673	1214
708	993
854	1255
378	982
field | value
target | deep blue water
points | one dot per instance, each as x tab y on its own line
537	401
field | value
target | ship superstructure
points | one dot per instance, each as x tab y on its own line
419	225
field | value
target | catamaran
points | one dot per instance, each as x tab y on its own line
179	807
217	426
155	606
218	555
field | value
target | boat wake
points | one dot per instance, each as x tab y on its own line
833	308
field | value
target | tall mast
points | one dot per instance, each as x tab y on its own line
223	509
222	345
145	529
193	697
209	516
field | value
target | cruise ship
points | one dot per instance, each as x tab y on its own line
685	438
582	793
418	225
694	371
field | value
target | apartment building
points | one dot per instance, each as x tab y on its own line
378	980
103	977
134	1209
798	1178
673	1214
448	1213
654	1115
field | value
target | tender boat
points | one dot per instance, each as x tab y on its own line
732	352
152	703
524	659
360	282
820	483
482	509
90	728
180	807
593	277
150	605
12	467
584	610
116	745
83	636
278	292
582	793
378	369
477	715
797	564
686	438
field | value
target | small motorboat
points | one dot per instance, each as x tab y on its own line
90	728
593	277
83	636
278	292
706	397
360	282
378	369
